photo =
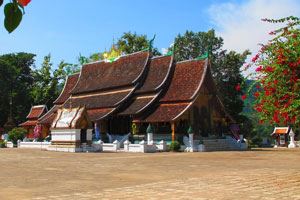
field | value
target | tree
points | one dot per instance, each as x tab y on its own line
47	84
278	75
13	12
132	42
128	43
225	65
15	83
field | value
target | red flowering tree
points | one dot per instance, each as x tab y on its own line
13	11
278	75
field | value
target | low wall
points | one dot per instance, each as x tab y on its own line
34	145
115	146
142	147
9	145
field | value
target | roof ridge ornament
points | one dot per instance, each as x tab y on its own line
150	44
206	55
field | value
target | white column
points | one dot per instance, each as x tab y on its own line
191	140
126	146
292	140
149	138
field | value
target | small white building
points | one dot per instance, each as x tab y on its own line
71	131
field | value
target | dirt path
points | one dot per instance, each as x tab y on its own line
260	174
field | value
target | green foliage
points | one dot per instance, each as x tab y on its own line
132	42
13	13
2	144
16	134
174	146
15	80
47	84
13	16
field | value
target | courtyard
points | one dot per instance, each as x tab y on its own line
256	174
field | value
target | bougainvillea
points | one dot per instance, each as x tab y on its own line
278	75
13	11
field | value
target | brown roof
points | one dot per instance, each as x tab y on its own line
49	116
36	111
126	71
281	130
138	105
96	114
183	90
186	81
167	112
69	85
158	72
99	100
29	123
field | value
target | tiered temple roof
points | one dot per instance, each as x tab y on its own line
159	71
65	94
35	113
102	87
183	90
149	89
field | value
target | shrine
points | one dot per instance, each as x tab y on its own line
32	120
71	130
281	136
123	96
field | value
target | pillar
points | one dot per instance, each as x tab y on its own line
292	139
173	131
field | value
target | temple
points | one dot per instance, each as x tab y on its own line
32	120
136	90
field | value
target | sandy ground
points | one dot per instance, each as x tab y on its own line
257	174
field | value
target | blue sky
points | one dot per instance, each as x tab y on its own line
66	28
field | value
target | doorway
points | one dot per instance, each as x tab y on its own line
83	135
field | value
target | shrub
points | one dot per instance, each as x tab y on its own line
16	134
175	146
2	144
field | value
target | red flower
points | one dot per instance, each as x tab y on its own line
24	2
244	97
256	94
255	58
238	87
272	33
269	69
258	69
275	118
276	82
259	109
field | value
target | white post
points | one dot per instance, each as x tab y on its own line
163	145
191	140
149	138
126	146
142	146
292	140
116	145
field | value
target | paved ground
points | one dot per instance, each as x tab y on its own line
260	174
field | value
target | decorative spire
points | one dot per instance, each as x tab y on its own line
149	129
190	130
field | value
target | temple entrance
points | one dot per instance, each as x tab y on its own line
119	125
83	136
